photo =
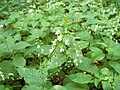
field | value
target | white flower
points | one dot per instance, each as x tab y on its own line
67	42
57	32
75	60
38	55
1	74
1	26
11	74
96	28
77	55
30	10
69	61
76	64
61	50
81	61
51	50
28	1
59	38
42	50
56	63
53	43
118	20
74	44
38	46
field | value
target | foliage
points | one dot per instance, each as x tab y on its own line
59	44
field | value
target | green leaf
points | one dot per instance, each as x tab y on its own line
117	83
19	62
2	87
85	36
80	78
44	23
95	54
105	71
72	52
113	53
56	61
38	33
106	85
68	39
87	66
33	76
32	87
7	68
48	84
45	49
10	43
58	87
21	45
75	86
17	37
96	82
115	65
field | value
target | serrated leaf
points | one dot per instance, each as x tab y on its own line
19	62
80	78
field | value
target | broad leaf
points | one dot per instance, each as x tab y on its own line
58	87
106	85
21	45
85	36
32	87
87	66
56	61
115	65
95	54
19	62
7	68
80	78
33	76
75	86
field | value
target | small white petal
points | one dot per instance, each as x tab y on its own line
67	42
57	32
59	38
61	50
51	50
42	50
38	46
81	61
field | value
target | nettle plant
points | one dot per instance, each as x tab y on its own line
59	45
